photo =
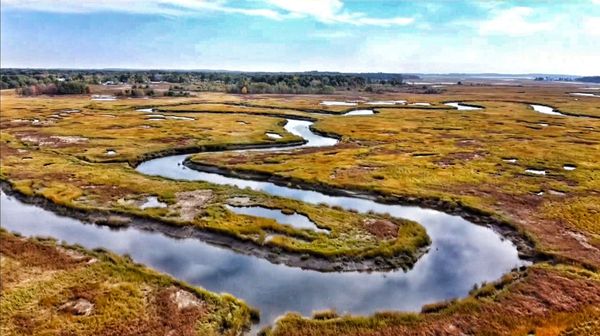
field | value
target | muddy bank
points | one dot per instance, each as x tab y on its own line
273	254
524	244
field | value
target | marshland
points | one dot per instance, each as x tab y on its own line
393	195
419	197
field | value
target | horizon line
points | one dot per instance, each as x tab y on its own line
295	71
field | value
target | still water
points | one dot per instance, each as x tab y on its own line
462	254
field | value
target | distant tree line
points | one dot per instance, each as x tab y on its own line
41	80
58	88
589	79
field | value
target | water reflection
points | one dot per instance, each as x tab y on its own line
545	109
462	254
294	219
359	113
463	107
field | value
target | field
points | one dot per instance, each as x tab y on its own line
80	157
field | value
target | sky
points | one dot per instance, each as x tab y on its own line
558	37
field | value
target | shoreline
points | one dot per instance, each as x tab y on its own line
524	244
273	254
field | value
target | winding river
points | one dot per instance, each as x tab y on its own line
461	255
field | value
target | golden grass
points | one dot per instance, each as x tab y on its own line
430	153
461	157
65	160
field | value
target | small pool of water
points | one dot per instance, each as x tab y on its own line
273	135
584	94
463	107
153	202
569	167
337	103
545	110
535	171
359	113
296	220
178	117
387	102
420	104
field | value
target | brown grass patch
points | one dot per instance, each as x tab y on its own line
381	228
37	255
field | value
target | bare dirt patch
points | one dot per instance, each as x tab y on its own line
190	203
184	299
381	228
79	307
52	140
239	200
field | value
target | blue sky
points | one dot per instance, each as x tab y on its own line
299	35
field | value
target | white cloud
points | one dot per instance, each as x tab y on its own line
331	35
592	25
332	11
161	7
513	22
326	11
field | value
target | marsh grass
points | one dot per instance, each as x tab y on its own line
465	164
524	303
78	174
38	277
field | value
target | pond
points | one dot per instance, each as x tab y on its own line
463	107
545	109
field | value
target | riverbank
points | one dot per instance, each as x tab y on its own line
404	258
523	243
47	287
541	300
428	157
81	155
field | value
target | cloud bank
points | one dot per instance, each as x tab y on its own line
325	11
